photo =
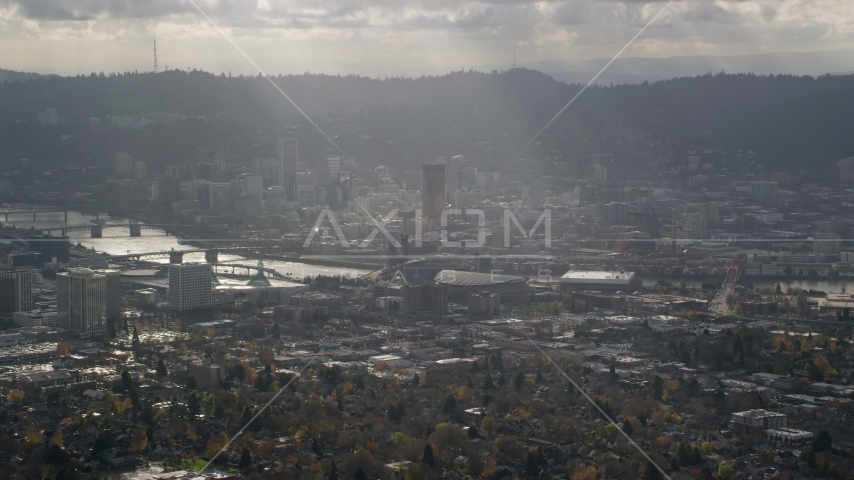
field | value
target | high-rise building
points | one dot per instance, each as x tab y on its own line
425	298
600	173
334	164
412	180
168	190
140	170
453	175
764	191
277	199
251	185
288	157
432	196
50	116
81	298
204	194
122	165
113	292
50	247
189	287
16	291
221	199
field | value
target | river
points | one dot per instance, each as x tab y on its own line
117	241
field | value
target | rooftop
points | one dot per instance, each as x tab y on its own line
597	276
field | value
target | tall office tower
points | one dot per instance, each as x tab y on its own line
219	170
16	291
140	170
334	164
381	175
168	190
412	180
453	173
81	298
432	196
122	165
250	185
221	197
189	287
277	199
204	195
288	154
113	292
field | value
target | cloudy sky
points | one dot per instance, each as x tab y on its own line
380	37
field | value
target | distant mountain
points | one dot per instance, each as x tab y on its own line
12	75
639	69
789	121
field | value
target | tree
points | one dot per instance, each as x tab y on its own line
519	380
488	384
627	427
333	471
539	378
103	443
216	443
531	467
449	406
191	383
416	380
428	457
652	473
657	388
725	471
135	339
360	475
161	369
475	366
139	440
823	441
194	407
245	459
275	331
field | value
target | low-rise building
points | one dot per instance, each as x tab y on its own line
206	375
759	419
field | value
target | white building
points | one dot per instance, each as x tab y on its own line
189	287
35	318
81	297
122	165
788	436
250	185
50	116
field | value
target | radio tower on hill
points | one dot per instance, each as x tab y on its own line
155	54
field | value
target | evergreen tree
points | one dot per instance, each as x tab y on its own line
811	460
501	380
627	427
531	467
416	380
822	442
191	383
360	475
135	339
488	384
360	383
539	378
475	366
333	471
340	405
161	369
519	380
674	464
652	473
428	457
245	459
275	331
449	406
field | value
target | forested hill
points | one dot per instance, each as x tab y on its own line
790	120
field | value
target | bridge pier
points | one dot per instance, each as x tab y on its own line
95	231
176	257
212	255
135	230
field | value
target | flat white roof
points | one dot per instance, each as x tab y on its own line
597	276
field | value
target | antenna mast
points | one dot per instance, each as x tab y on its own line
155	54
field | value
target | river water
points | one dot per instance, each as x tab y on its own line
117	241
